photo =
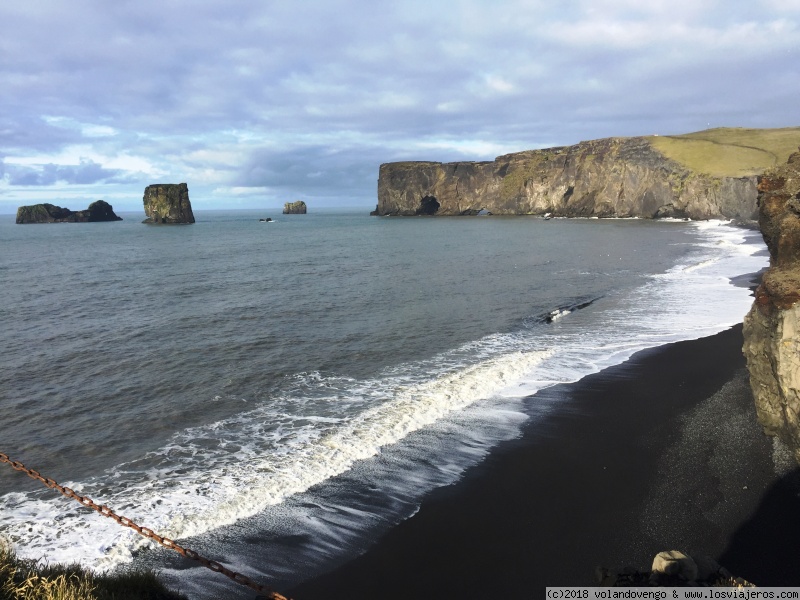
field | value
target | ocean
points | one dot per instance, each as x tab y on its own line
275	395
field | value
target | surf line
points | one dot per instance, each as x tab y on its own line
265	592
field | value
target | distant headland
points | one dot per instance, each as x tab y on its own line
704	175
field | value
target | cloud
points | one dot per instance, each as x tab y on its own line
315	169
313	96
87	130
242	191
86	172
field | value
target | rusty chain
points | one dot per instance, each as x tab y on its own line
264	591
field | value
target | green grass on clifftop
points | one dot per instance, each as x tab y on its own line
730	151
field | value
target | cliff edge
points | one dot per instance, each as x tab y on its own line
167	204
772	327
711	174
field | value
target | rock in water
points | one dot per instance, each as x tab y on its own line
42	213
772	327
168	204
48	213
294	208
101	210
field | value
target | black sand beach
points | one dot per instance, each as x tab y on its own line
662	452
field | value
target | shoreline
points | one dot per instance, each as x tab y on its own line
661	452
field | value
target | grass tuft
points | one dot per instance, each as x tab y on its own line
29	580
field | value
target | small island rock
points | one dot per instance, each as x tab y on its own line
98	211
167	204
294	208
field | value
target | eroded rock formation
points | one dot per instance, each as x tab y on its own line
612	177
772	327
673	568
49	213
168	204
294	208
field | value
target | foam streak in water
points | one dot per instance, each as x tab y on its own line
215	475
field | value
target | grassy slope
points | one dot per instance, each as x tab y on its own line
30	580
730	151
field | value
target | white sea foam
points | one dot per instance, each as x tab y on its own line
558	314
212	476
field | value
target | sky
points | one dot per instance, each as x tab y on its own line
255	103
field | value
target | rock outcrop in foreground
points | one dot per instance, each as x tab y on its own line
612	177
772	327
673	568
167	204
49	213
294	208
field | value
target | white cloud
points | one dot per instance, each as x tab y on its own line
75	155
450	106
783	6
262	95
478	149
131	163
498	84
241	191
90	130
93	131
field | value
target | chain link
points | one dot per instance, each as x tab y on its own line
264	591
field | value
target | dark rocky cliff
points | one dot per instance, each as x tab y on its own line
167	204
49	213
612	177
772	327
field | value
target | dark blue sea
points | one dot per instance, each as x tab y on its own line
276	395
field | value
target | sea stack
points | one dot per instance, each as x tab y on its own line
294	208
167	204
772	327
98	211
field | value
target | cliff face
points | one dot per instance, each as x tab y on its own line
294	208
167	203
613	177
49	213
772	327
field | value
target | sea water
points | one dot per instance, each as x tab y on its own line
277	394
